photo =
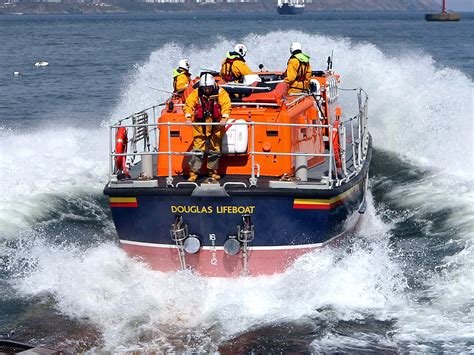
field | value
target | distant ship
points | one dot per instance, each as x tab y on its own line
290	7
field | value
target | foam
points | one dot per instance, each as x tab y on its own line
49	167
136	308
446	319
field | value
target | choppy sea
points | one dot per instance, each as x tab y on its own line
405	282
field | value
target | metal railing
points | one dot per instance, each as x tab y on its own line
149	133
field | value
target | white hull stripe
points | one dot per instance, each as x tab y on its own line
278	247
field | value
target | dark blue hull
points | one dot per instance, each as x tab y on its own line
285	228
278	221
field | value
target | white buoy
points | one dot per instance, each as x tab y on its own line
41	63
16	73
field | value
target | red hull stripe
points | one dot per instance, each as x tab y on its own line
123	202
130	204
300	206
310	204
316	206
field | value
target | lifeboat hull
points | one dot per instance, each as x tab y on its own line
287	224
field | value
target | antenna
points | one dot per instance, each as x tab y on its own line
330	60
165	91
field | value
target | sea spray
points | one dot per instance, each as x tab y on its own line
49	170
132	304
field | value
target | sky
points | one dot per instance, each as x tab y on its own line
460	5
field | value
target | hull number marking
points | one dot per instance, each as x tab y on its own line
212	238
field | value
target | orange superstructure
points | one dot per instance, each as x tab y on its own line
265	112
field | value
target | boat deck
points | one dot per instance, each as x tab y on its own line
238	184
316	175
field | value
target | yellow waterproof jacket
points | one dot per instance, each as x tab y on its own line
234	68
193	101
298	73
180	79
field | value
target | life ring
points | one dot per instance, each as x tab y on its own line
121	142
335	144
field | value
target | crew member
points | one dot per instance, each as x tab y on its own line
181	77
233	67
208	103
298	70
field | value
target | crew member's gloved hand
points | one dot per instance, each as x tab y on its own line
188	119
224	119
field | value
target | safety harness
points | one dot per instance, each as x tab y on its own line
303	60
178	72
227	73
208	107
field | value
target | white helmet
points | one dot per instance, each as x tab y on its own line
241	49
295	46
183	63
207	80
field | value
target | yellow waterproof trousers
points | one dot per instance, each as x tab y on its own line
209	137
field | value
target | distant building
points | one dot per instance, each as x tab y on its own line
194	1
37	1
222	1
163	1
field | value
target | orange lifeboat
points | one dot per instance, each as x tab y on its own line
280	194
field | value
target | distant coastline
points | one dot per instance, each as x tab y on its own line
19	7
